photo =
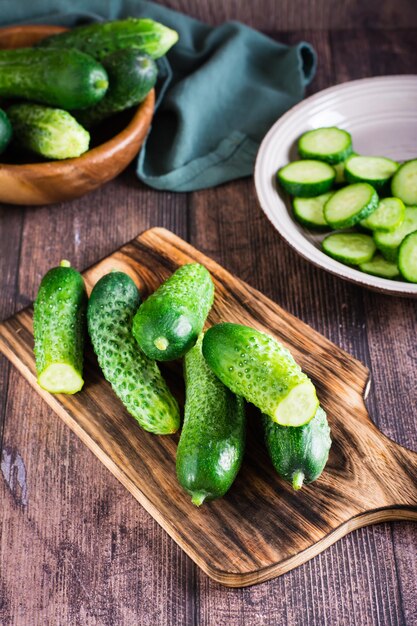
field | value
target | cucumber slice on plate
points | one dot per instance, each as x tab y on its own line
404	183
350	205
373	170
309	211
389	242
307	178
407	257
388	215
349	248
331	145
378	266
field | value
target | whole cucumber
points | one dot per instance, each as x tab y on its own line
5	131
299	454
135	378
59	329
212	440
68	79
257	367
169	322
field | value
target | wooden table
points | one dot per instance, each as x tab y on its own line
76	548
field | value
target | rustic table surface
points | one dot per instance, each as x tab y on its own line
75	547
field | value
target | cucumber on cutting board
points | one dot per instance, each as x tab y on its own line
59	328
389	242
404	182
349	205
331	145
306	178
212	439
169	322
373	170
299	455
388	215
349	248
257	367
5	131
135	378
309	211
407	257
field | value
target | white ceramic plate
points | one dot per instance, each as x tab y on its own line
381	115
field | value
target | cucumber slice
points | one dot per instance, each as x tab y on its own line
349	248
388	215
339	168
306	178
389	242
378	266
350	205
309	211
373	170
407	257
404	183
331	145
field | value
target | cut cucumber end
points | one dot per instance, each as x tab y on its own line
161	343
60	378
298	480
298	407
65	263
198	498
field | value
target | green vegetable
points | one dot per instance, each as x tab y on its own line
131	76
389	242
99	40
306	178
135	379
52	133
309	211
331	145
407	257
378	266
68	79
169	322
388	215
212	440
404	182
349	205
59	328
349	248
5	131
373	170
299	454
257	367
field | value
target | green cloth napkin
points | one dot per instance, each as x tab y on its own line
219	91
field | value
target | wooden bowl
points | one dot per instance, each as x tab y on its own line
55	181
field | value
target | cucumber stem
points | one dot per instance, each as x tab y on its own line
161	343
297	479
65	263
198	498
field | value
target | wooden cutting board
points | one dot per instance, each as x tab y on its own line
261	528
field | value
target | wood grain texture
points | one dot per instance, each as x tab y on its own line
239	540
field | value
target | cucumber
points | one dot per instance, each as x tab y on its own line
5	131
257	367
404	182
331	145
373	170
131	77
309	211
378	266
350	205
59	328
349	248
388	215
339	168
99	40
68	79
389	242
212	441
52	133
306	178
169	322
407	257
299	455
135	378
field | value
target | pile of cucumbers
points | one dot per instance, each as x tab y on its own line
226	366
73	81
370	201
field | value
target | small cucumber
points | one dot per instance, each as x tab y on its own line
135	379
388	215
299	454
378	266
407	257
389	242
169	322
375	171
309	211
5	131
306	178
331	145
350	205
212	440
59	328
257	367
349	248
404	182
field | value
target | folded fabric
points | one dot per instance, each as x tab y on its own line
219	90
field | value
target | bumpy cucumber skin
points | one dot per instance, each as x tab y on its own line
135	379
175	313
299	454
252	364
64	78
5	131
212	441
59	319
99	40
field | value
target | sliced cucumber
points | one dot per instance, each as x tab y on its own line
350	205
407	257
404	183
339	168
331	145
389	242
388	215
309	211
306	178
373	170
378	266
349	248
